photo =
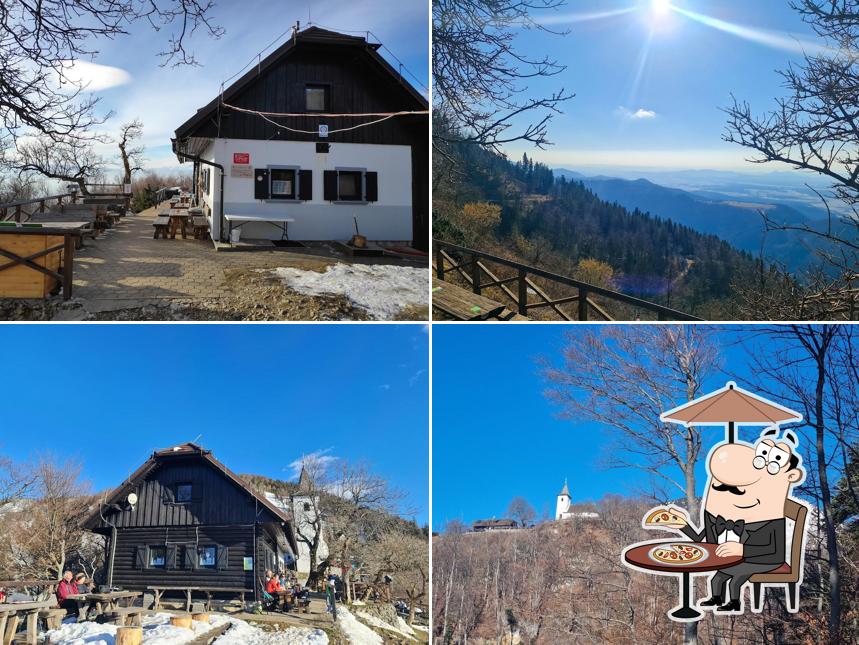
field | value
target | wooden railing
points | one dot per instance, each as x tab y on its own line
16	211
472	266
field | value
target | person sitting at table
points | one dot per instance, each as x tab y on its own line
272	583
66	588
82	582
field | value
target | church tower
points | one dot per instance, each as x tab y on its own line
563	505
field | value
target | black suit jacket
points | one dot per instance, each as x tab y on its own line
763	542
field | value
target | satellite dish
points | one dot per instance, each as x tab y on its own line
132	498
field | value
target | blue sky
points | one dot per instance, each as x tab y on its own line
261	396
495	435
649	83
164	97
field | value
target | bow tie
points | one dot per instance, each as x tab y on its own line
729	525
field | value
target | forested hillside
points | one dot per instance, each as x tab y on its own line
562	226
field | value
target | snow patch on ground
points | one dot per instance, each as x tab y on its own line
404	626
375	621
381	290
241	633
356	632
157	630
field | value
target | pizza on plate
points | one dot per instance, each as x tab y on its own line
677	553
667	517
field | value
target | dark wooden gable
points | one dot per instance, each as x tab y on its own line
216	497
357	80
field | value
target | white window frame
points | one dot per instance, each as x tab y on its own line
296	191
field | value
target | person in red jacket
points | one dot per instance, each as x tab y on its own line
66	588
272	584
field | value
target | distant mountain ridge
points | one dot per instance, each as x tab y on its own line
736	220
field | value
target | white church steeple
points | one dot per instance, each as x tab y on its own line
563	505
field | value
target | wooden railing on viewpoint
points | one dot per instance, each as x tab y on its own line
17	211
473	267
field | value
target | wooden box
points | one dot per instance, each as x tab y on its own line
21	281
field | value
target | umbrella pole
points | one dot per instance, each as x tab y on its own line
730	432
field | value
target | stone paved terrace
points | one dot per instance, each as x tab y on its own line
125	267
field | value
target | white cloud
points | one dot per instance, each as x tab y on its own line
385	386
92	76
414	377
638	114
320	458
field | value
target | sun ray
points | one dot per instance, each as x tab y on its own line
571	18
776	40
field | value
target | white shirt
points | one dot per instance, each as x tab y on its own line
728	536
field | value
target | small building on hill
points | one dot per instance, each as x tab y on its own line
566	510
319	134
480	526
183	519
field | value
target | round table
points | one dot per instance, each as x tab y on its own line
639	557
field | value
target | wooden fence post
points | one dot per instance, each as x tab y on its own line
583	304
475	275
439	264
42	206
523	293
18	213
68	265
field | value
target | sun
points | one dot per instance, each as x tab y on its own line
660	6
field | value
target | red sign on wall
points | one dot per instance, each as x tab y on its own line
241	157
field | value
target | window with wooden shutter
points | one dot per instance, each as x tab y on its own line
223	558
261	183
170	563
140	558
330	185
305	185
157	557
190	558
371	182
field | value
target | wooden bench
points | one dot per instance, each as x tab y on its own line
125	616
162	226
158	591
200	226
462	304
53	617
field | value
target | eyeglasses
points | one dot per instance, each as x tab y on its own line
771	466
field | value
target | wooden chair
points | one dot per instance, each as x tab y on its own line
789	573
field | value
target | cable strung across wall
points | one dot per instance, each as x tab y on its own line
384	117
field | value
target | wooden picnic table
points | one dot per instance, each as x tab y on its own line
188	591
178	219
9	619
103	601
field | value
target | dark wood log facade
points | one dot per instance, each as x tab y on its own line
193	524
357	80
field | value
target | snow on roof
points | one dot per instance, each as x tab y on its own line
277	500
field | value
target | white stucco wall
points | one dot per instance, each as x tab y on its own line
389	218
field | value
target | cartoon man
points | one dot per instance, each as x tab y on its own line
744	511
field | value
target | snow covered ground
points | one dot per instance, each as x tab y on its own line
402	628
241	633
381	290
356	632
157	630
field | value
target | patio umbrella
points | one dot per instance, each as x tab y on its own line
730	405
